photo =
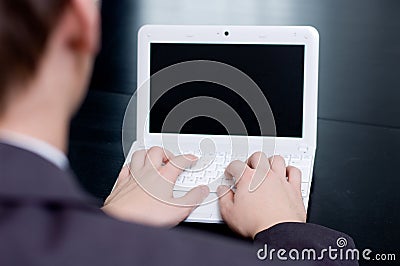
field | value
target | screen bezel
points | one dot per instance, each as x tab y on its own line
306	36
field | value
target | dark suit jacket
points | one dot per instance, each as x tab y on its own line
46	219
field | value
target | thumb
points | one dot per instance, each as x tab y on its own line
225	200
190	201
194	197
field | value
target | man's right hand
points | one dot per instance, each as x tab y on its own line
267	193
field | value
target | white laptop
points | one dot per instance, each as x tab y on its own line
283	63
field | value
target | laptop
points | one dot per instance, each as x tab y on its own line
281	65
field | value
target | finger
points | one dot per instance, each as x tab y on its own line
240	172
190	201
257	178
235	169
278	165
258	160
156	157
225	202
261	164
137	161
294	178
194	197
176	166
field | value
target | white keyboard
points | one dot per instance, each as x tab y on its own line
210	172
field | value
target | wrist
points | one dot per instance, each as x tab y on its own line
263	228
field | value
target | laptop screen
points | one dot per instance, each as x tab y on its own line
278	70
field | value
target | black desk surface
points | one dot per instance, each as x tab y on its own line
356	181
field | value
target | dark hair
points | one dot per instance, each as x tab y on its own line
25	26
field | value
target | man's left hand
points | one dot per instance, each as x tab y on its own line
144	189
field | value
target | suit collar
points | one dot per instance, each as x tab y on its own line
37	146
25	175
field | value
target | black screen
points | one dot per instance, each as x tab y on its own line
278	70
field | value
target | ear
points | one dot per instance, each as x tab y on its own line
85	14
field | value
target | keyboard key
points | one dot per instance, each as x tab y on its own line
219	160
180	179
305	174
211	167
213	186
299	163
189	181
211	174
202	180
220	167
198	174
304	189
295	157
307	157
186	173
220	174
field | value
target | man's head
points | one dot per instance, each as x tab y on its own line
46	53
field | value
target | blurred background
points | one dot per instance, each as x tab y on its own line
356	182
